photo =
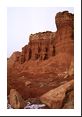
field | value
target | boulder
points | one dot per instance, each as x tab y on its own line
56	98
16	100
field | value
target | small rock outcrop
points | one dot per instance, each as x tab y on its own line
27	83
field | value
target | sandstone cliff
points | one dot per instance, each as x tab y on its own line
44	45
46	61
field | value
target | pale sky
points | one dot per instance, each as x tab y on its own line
23	21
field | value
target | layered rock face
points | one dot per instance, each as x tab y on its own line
46	63
40	47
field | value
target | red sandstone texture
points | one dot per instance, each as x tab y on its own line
46	62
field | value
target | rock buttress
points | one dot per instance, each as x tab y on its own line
64	38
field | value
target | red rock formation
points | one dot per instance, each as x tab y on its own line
47	55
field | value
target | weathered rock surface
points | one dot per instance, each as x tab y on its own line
40	47
71	68
56	98
15	99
